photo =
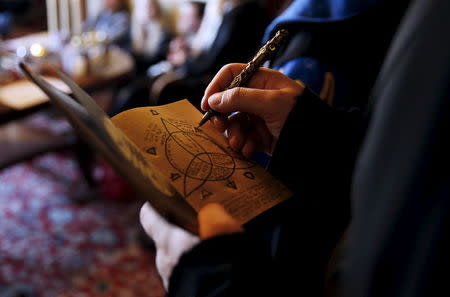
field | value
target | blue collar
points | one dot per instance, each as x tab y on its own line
318	11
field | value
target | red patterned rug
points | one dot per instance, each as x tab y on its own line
58	248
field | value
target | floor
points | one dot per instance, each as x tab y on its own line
52	246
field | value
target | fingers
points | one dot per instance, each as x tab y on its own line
263	79
236	136
214	220
252	101
220	122
270	95
262	135
154	225
249	147
221	81
171	242
248	134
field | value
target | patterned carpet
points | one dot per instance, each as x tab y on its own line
58	248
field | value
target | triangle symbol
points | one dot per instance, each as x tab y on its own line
231	184
151	151
175	176
206	194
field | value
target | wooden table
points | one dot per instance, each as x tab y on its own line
22	98
26	97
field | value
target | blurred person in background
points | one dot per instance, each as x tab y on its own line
136	94
150	35
112	25
231	31
190	17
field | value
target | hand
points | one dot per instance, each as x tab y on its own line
171	241
259	110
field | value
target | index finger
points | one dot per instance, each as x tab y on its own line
221	81
263	79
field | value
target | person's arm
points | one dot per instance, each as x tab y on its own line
227	265
319	144
244	264
227	262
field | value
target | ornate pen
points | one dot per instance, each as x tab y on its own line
269	49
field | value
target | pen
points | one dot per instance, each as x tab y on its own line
270	48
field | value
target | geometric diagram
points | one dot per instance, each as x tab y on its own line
199	159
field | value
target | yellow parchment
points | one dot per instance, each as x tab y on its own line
199	162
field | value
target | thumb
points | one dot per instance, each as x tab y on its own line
214	220
251	101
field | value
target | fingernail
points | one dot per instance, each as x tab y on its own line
215	100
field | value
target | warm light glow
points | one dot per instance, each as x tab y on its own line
37	50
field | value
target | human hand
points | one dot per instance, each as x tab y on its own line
171	241
259	110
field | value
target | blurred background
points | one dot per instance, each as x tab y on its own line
68	223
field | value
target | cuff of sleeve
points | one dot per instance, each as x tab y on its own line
308	102
220	264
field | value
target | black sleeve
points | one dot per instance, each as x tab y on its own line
246	264
317	148
232	265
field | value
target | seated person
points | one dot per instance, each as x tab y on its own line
113	22
136	94
150	35
188	23
237	39
392	162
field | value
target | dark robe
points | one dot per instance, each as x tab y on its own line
398	240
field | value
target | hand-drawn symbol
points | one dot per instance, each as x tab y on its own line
197	129
249	175
231	184
154	112
186	152
175	176
151	151
206	194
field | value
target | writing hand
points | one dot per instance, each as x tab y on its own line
259	110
